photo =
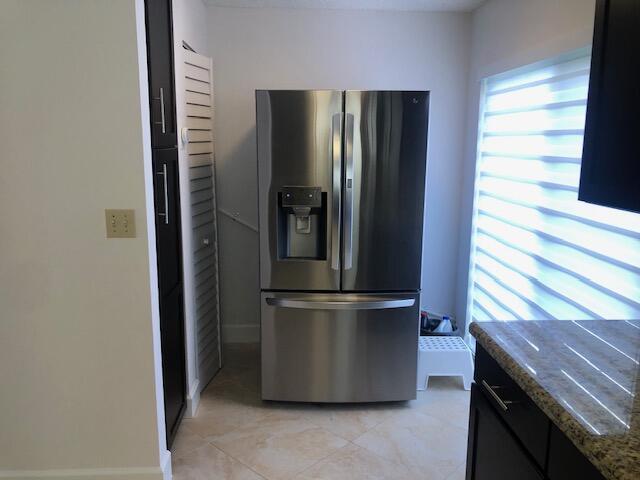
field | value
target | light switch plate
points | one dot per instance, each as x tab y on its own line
120	223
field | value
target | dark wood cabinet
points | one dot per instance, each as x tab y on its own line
161	73
494	452
169	251
511	438
167	209
167	206
523	417
610	174
566	462
173	367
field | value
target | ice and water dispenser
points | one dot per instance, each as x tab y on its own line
302	223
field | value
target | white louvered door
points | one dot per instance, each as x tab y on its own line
198	142
538	252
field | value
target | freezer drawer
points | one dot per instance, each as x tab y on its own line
339	347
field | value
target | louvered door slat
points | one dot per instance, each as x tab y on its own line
199	147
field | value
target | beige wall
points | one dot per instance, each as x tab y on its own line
334	49
507	34
79	359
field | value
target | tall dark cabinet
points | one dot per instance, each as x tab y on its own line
167	208
610	173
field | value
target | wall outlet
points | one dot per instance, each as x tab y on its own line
120	223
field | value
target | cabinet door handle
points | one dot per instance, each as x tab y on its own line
165	214
162	118
491	390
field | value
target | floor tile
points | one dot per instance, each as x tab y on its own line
350	421
185	442
450	405
422	439
279	446
209	463
413	438
355	463
219	415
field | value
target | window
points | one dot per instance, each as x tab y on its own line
537	252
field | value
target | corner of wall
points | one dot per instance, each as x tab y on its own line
165	466
150	226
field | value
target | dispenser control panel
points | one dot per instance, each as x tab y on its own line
310	197
302	223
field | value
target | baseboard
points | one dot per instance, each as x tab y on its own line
240	333
133	473
165	466
193	400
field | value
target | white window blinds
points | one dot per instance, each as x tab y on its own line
537	252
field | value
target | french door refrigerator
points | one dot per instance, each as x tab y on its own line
341	195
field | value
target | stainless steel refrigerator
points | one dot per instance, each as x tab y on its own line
341	197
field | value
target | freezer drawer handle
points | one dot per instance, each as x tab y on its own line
341	305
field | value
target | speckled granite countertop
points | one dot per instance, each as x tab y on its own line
585	376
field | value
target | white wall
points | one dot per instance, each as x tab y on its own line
79	332
334	49
507	34
190	24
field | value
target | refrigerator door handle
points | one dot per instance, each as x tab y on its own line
381	304
336	154
349	186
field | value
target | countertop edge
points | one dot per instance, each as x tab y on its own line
563	420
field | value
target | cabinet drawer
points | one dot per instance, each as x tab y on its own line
494	453
528	423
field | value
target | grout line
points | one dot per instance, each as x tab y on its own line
270	411
295	474
182	428
238	460
410	467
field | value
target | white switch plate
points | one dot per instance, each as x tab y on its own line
120	223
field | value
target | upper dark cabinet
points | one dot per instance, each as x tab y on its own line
161	73
610	173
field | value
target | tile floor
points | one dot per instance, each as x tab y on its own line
236	436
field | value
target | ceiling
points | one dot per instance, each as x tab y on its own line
407	5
